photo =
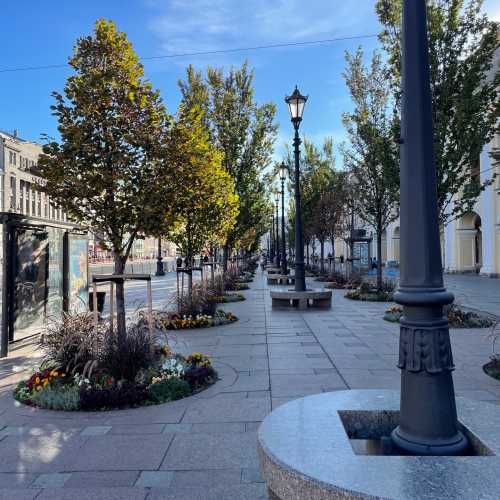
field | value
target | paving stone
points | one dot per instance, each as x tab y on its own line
252	426
52	480
227	411
106	479
19	494
254	382
214	451
219	427
16	480
50	453
175	428
138	429
93	494
96	430
157	478
251	476
240	492
206	478
121	452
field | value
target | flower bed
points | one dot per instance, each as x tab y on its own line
457	318
229	297
333	285
168	377
235	287
174	321
369	296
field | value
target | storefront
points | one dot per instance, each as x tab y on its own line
44	271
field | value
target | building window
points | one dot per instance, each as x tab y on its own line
33	202
13	193
39	195
46	207
52	211
21	196
28	189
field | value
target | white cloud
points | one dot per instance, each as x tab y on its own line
203	25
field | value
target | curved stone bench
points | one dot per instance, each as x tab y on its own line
307	452
302	300
280	279
273	270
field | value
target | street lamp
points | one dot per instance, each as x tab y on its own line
272	235
278	250
296	103
428	419
283	171
159	261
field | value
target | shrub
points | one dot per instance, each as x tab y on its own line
200	302
22	393
198	376
120	396
58	397
123	356
169	390
72	343
369	296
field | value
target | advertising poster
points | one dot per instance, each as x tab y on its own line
78	287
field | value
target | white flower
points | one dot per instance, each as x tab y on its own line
173	366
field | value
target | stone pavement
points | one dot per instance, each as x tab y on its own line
204	447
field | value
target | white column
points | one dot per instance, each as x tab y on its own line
450	235
388	240
487	211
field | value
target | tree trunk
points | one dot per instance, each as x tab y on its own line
379	258
225	257
333	255
322	256
351	257
121	322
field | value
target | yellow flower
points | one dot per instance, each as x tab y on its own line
39	388
37	380
55	373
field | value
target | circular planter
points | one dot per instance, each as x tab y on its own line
71	396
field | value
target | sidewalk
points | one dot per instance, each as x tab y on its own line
204	447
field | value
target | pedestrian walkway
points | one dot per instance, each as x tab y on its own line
204	447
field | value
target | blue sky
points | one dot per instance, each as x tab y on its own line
43	33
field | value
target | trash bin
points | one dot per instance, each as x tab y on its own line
101	296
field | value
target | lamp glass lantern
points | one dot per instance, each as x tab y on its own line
282	172
296	103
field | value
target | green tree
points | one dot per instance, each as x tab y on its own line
113	126
372	155
207	205
462	44
317	172
330	211
245	133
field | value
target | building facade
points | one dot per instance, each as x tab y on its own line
43	257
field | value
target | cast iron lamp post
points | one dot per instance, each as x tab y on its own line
273	245
296	103
159	261
428	420
278	250
283	172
